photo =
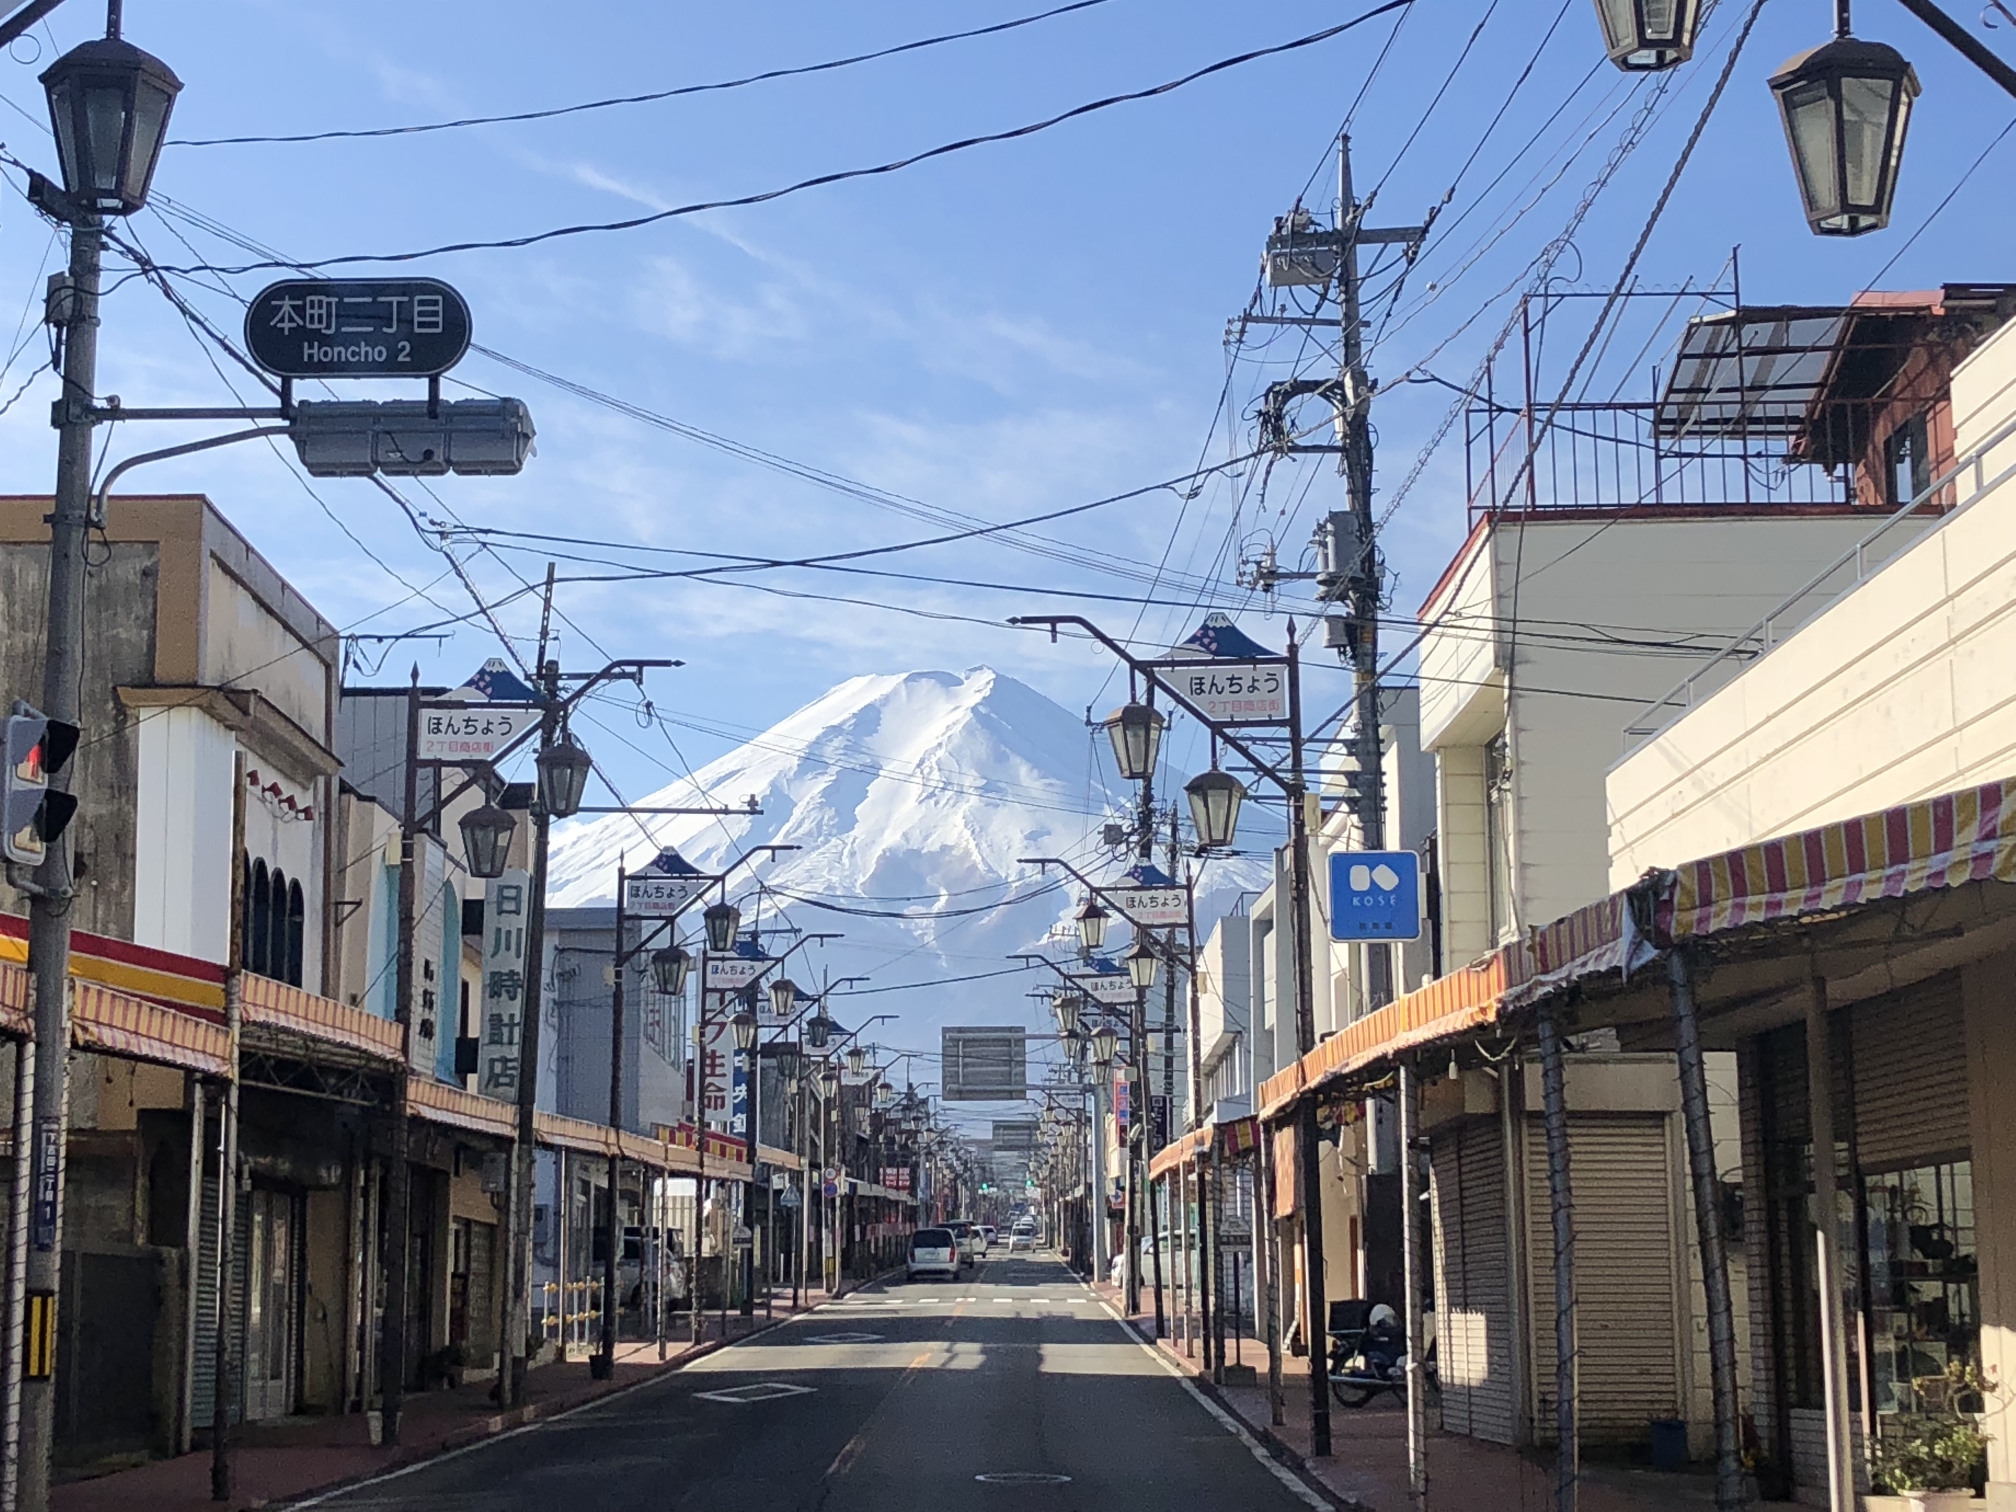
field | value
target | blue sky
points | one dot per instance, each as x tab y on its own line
998	333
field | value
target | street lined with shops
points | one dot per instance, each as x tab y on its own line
1004	1389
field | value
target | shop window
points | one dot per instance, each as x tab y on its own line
258	919
1907	462
297	919
1923	1283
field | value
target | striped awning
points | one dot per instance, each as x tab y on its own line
1968	836
1940	842
275	1005
1463	1001
1233	1138
1180	1152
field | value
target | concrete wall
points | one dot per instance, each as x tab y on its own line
1895	692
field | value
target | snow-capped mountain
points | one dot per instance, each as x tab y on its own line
912	798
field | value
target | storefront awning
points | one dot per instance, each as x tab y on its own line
1239	1136
1936	843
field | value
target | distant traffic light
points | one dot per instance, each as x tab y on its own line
31	814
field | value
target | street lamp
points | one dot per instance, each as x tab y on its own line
783	997
486	839
1105	1042
1645	36
1214	807
829	1077
1136	732
1846	106
818	1029
721	920
744	1026
857	1059
884	1094
668	970
1141	963
109	103
563	776
1092	924
1065	1006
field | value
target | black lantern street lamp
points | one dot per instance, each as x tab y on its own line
857	1059
1136	732
744	1027
721	921
829	1077
109	103
1846	105
1105	1044
1065	1006
1092	924
486	839
1141	963
563	777
1645	36
818	1030
668	970
1214	807
783	997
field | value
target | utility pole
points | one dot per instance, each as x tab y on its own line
53	897
525	1153
1352	567
399	1172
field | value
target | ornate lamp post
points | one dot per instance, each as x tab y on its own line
1846	106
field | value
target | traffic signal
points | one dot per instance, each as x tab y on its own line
31	814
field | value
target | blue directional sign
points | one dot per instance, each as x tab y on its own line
1375	895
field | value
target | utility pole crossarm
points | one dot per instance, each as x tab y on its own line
1148	670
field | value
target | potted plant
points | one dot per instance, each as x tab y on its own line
1934	1458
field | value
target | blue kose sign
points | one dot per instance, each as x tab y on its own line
1375	895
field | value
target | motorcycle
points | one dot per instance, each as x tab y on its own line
1368	1353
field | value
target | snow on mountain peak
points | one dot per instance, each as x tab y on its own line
912	797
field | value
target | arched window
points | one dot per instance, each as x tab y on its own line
297	917
276	929
258	918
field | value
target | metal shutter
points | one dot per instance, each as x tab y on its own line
482	1295
1626	1286
1473	1326
204	1375
1910	1076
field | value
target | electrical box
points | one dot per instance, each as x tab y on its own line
1299	255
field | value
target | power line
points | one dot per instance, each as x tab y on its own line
631	223
640	99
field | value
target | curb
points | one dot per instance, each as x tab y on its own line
1275	1445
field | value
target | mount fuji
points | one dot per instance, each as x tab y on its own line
911	798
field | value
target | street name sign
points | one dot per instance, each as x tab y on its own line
357	328
726	973
661	889
1107	986
470	731
1151	905
1375	895
1231	692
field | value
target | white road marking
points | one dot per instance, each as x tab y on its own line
755	1391
1226	1420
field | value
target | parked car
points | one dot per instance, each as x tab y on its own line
934	1252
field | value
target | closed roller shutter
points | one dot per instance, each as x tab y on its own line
1473	1326
482	1295
204	1374
1910	1076
1626	1286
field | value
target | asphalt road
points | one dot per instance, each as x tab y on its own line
895	1398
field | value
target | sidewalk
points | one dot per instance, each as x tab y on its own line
280	1461
1367	1469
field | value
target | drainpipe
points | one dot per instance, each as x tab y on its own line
1561	1211
1828	1269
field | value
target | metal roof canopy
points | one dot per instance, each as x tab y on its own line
1762	370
